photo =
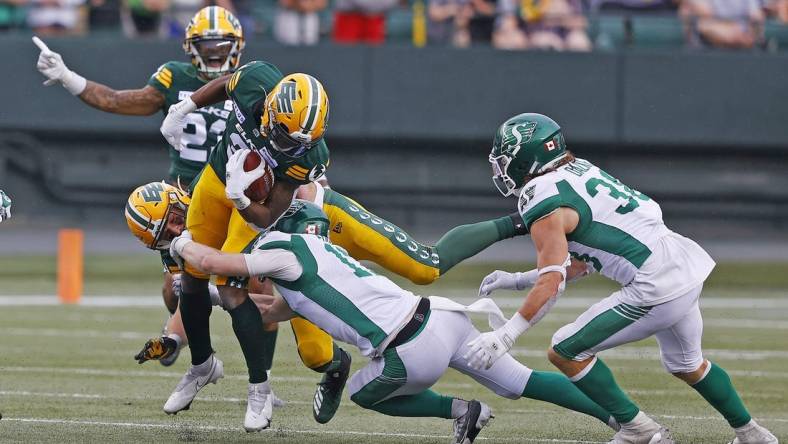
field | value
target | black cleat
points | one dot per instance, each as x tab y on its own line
329	391
468	426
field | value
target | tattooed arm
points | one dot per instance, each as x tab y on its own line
135	102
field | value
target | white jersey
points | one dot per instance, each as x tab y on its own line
334	291
620	232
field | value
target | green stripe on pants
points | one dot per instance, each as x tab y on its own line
603	326
391	378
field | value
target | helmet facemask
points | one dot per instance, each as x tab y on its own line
214	56
171	225
282	141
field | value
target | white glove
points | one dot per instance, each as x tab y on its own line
5	206
173	124
176	248
177	286
490	346
237	180
508	281
51	65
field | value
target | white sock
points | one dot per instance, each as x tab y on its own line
641	422
459	407
205	366
746	427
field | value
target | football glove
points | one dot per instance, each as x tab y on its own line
488	347
51	65
177	286
173	124
176	246
508	281
238	180
156	348
5	206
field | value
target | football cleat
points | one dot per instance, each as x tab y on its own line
197	377
660	436
160	348
169	360
753	433
329	390
259	407
468	426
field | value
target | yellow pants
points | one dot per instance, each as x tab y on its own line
368	237
213	220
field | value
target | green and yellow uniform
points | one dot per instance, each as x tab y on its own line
177	81
212	218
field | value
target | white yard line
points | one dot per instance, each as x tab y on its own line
505	302
185	427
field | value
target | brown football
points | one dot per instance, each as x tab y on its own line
259	189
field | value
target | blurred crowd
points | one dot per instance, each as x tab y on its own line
559	25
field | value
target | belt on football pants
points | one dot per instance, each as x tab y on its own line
415	323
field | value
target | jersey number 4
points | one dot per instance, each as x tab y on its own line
617	191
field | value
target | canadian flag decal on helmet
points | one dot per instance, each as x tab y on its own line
549	145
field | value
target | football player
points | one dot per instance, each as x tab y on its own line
284	119
411	340
5	206
574	209
214	41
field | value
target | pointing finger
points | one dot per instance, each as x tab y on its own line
41	45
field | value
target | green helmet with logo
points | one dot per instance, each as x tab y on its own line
303	217
525	145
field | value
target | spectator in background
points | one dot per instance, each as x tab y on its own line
142	18
57	17
779	10
297	21
243	10
733	24
441	16
557	25
12	14
361	21
475	22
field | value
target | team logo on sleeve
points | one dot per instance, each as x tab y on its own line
525	197
317	172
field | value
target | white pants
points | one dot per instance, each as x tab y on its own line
676	324
418	364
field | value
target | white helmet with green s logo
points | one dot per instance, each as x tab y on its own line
525	145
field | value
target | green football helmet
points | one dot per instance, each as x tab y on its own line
303	217
525	145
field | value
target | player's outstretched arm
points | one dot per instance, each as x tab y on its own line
207	259
137	102
549	236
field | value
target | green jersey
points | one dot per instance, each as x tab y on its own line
177	81
247	90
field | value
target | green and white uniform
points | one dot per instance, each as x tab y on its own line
621	234
177	81
323	284
247	90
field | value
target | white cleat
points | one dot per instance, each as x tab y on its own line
259	407
753	433
276	401
642	430
197	377
468	426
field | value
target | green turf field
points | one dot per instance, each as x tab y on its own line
66	372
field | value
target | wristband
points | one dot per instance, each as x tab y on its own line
515	327
74	83
526	279
179	244
241	203
185	106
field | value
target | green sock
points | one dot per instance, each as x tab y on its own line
717	389
195	304
248	328
599	385
558	389
269	342
427	404
466	241
334	364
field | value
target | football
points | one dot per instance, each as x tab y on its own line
259	189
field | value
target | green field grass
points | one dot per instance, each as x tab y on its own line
66	372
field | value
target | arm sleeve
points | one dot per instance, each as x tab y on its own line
162	78
274	263
466	241
309	168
